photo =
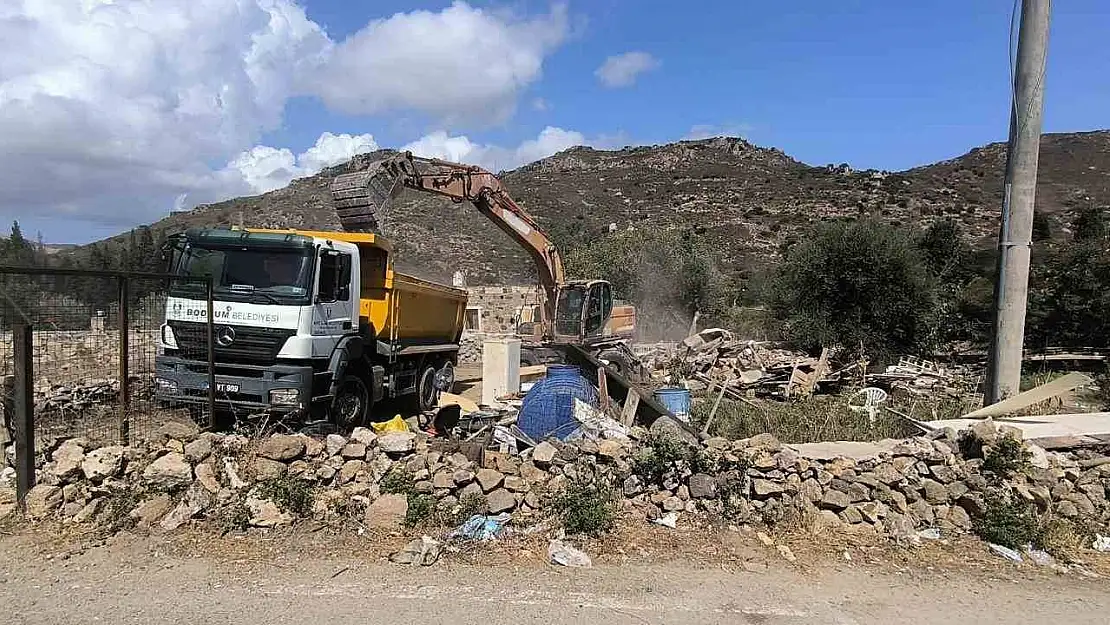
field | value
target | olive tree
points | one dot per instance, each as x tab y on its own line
860	285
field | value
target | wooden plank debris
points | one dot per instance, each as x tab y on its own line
603	389
628	412
1044	392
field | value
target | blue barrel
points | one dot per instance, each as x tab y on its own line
548	408
677	400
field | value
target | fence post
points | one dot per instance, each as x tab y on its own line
211	356
24	414
7	414
124	365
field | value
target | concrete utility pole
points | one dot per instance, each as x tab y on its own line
1015	236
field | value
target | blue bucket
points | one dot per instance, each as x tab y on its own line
677	400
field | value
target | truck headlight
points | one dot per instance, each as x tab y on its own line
166	386
284	396
169	341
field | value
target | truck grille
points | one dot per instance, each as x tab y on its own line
251	344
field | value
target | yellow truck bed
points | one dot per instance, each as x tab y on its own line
409	310
404	309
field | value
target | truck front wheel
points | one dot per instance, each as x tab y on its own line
351	403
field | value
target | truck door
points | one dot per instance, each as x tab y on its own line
333	310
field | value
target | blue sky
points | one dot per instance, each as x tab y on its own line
139	113
876	84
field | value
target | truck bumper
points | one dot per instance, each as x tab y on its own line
239	388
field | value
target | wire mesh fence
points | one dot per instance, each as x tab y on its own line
95	345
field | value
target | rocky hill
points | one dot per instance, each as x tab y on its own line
747	199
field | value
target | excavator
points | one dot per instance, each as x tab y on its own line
581	313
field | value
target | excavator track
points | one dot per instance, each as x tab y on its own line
357	197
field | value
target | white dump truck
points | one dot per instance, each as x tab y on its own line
308	324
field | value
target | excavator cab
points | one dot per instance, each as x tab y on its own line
582	310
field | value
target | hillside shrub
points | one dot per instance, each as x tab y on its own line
1006	521
1069	296
860	285
586	507
668	274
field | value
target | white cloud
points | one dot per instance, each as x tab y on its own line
334	149
115	110
622	70
108	108
264	168
462	63
496	158
539	104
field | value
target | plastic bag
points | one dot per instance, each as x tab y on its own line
481	527
396	424
563	554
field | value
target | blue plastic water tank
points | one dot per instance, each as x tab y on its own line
548	409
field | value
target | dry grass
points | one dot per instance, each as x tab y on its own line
820	418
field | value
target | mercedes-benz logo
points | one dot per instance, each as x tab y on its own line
225	336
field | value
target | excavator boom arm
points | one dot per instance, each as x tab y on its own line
359	195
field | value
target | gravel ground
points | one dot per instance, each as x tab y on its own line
137	579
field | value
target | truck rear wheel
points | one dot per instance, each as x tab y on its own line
351	403
426	396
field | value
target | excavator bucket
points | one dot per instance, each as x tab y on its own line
360	196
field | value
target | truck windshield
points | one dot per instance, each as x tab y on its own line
246	274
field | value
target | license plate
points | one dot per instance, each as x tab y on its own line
223	387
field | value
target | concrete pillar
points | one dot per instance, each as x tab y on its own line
500	368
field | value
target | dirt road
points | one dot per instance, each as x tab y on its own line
139	580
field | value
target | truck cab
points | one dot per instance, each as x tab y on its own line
304	323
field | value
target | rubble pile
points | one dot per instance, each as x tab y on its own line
62	398
923	377
714	356
77	397
375	479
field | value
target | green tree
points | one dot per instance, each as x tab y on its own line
17	251
148	251
960	311
859	285
945	250
1069	297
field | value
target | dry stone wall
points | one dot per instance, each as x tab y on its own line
192	477
498	306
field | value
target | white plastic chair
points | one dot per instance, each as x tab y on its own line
867	400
